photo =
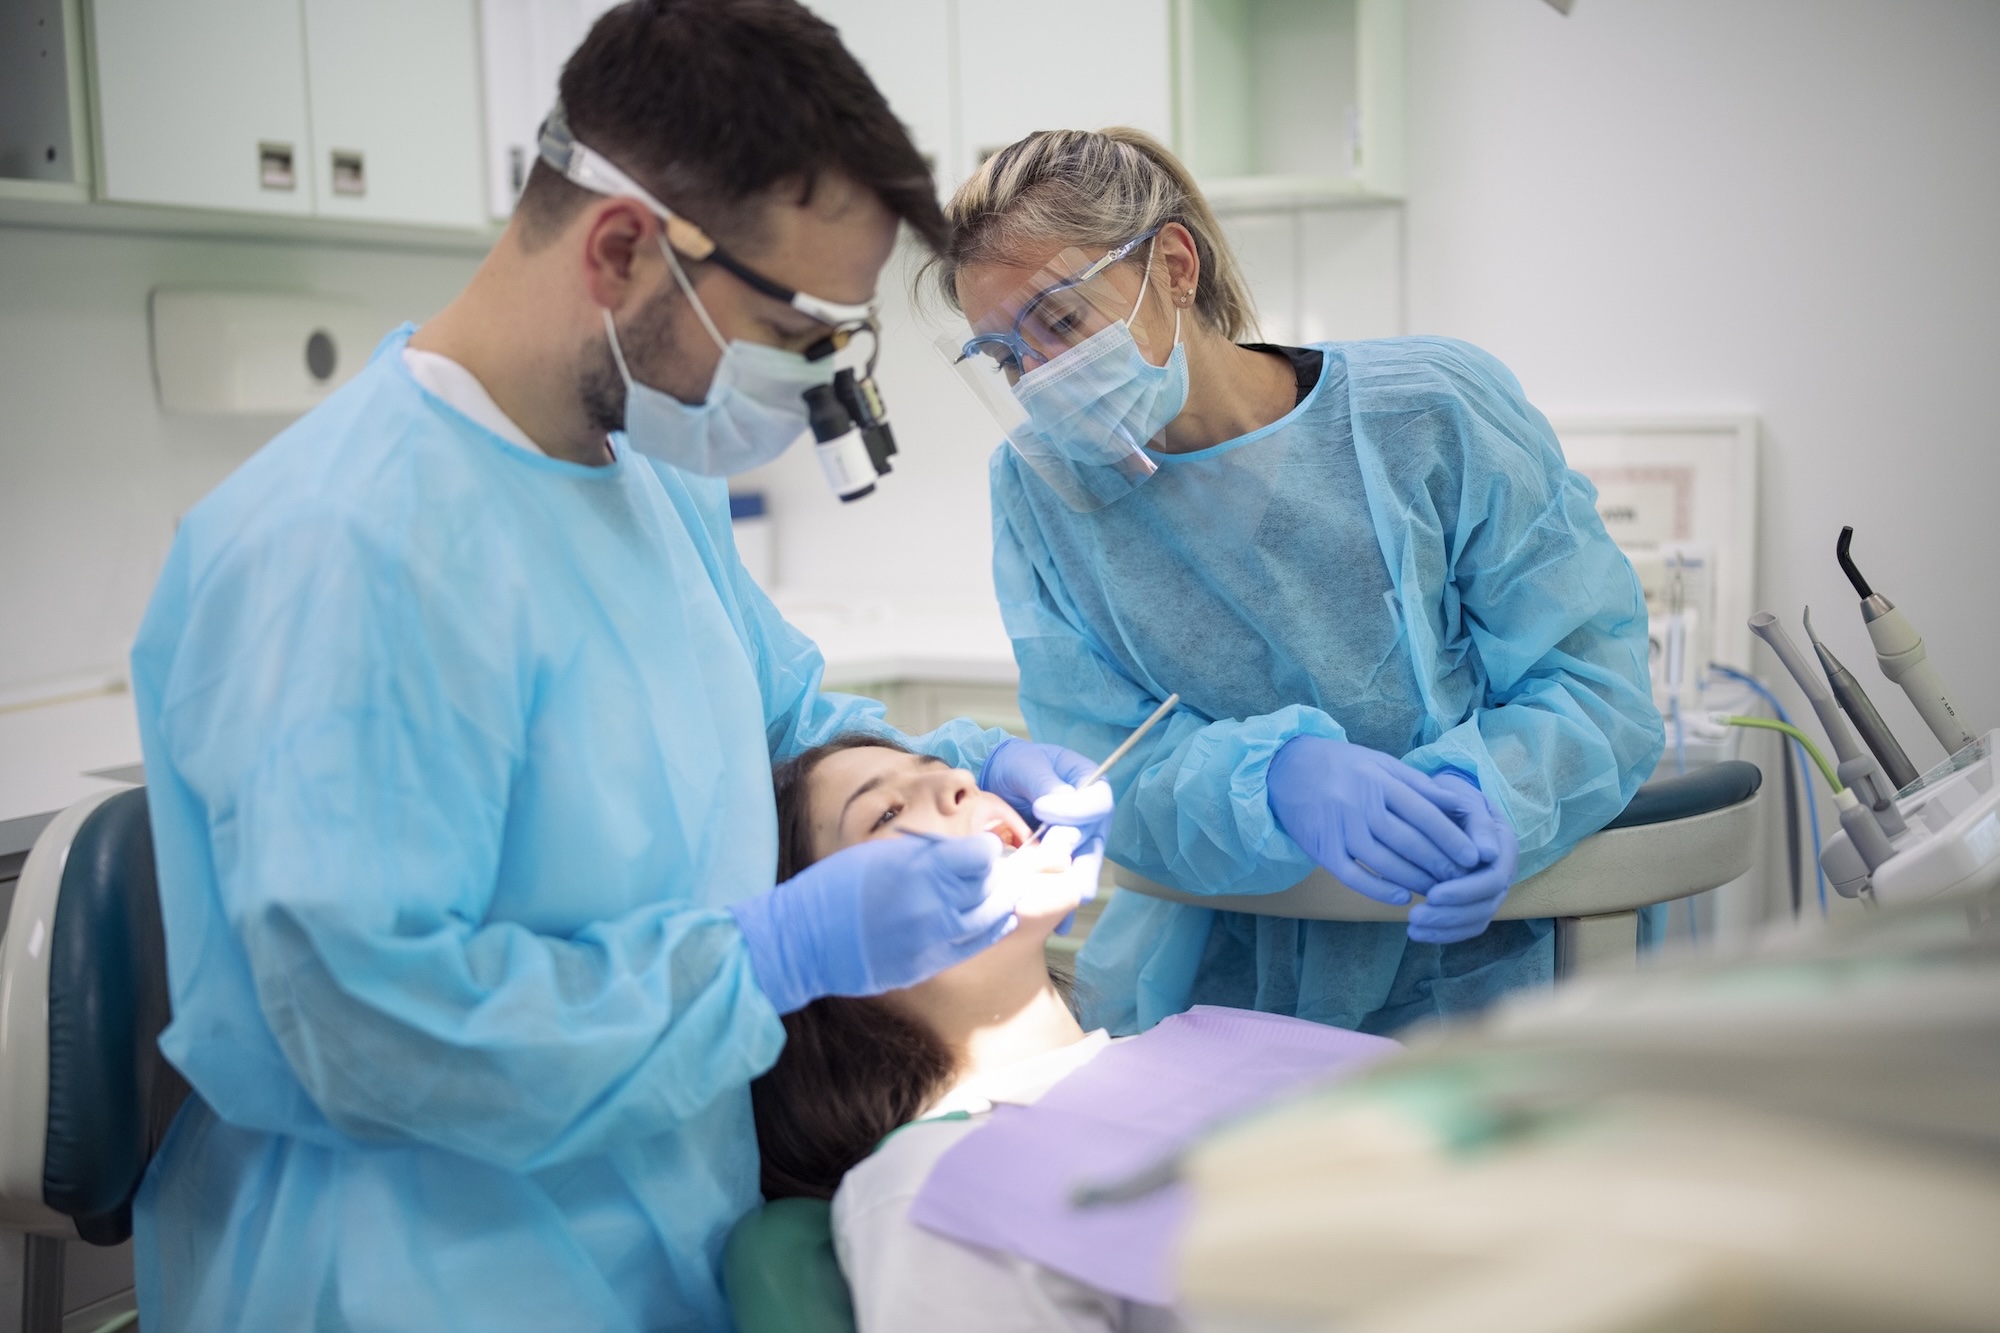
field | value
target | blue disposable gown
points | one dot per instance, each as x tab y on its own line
1403	561
456	755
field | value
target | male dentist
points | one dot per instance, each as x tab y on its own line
459	714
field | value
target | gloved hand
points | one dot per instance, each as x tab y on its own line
1377	824
1458	909
875	917
1074	813
1022	772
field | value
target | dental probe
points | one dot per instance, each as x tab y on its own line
1899	651
1112	760
1860	710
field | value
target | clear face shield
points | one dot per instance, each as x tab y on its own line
1081	366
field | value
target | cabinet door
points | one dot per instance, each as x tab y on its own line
906	49
396	110
1062	65
202	105
524	45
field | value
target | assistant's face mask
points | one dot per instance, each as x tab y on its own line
1105	384
753	412
1083	416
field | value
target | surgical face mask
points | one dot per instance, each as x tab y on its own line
1104	387
754	410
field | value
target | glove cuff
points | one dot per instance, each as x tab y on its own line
986	766
756	919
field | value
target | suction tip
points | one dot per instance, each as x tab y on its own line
1847	564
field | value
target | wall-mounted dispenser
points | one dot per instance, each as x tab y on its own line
256	353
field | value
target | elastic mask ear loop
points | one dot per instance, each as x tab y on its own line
617	352
1144	278
681	277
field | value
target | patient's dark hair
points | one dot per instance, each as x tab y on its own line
852	1069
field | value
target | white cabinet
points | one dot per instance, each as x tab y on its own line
906	47
1288	102
1059	64
365	109
523	46
202	105
968	79
44	126
395	110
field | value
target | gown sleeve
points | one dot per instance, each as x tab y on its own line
1544	599
350	736
1192	810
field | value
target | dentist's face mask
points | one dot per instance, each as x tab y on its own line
1070	384
754	410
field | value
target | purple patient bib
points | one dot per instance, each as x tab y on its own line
1008	1185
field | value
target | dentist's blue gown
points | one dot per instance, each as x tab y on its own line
1403	561
456	755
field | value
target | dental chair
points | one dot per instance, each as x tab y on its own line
1679	836
85	1095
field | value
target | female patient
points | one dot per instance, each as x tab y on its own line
993	1029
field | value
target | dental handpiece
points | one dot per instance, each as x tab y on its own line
1899	651
1857	767
1860	710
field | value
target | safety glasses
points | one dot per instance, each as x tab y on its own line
1056	317
583	166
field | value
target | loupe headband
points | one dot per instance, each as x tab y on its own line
588	169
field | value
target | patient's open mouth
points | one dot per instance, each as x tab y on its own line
1004	831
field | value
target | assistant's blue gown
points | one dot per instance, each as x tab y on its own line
456	755
1403	561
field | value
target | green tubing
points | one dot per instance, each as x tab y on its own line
1826	769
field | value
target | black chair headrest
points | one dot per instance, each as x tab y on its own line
111	1093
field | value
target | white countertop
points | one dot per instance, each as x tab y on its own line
53	754
959	642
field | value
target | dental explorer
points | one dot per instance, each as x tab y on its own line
1899	651
1860	710
1112	760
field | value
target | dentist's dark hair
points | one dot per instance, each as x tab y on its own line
711	104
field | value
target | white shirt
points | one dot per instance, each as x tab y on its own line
905	1279
462	391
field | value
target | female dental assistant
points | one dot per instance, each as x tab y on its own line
459	713
1407	650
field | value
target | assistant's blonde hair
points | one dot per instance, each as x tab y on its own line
1094	189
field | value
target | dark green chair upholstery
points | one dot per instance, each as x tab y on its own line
780	1273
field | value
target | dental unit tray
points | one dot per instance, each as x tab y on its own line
1951	844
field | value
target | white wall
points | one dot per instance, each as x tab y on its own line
1780	206
926	532
93	475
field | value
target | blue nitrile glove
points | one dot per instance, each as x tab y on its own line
1458	909
1377	824
874	917
1022	772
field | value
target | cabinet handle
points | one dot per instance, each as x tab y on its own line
350	175
274	166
